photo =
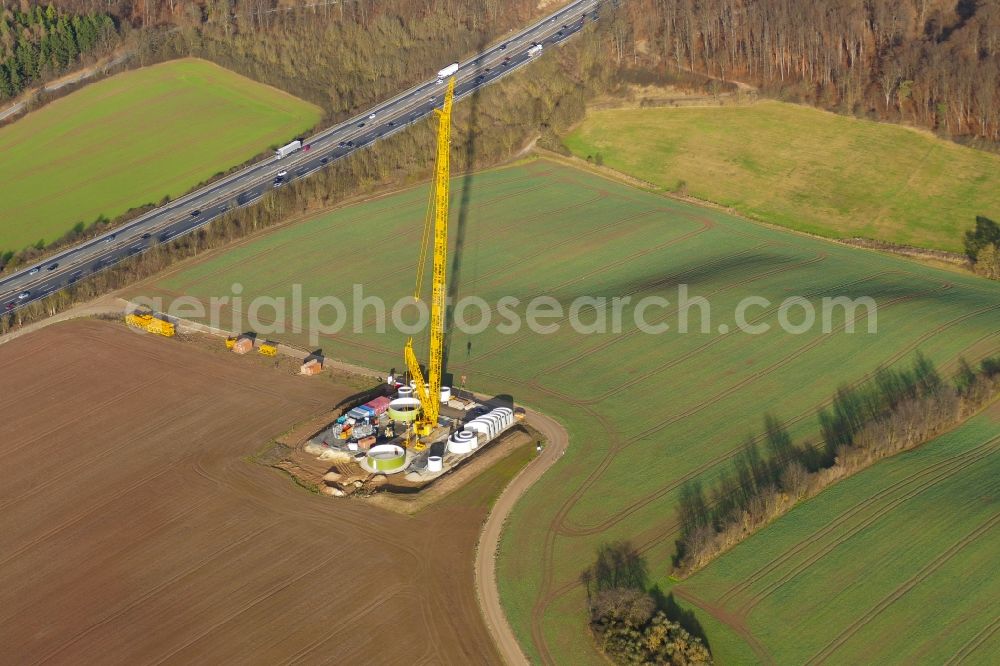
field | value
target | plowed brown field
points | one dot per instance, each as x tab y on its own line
133	530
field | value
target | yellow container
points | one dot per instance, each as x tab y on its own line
230	343
267	349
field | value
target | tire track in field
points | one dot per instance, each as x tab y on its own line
337	337
929	569
409	268
737	624
91	458
346	623
766	313
816	342
631	288
75	518
549	594
975	642
942	475
97	406
287	582
156	588
400	205
672	528
570	530
840	519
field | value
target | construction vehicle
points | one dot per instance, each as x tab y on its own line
428	391
230	342
268	348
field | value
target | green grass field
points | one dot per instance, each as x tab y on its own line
132	139
644	411
804	169
894	565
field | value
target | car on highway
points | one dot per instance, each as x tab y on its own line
480	78
33	271
146	235
503	47
195	213
371	116
306	148
282	174
52	267
10	306
324	160
342	144
361	124
392	123
23	295
110	238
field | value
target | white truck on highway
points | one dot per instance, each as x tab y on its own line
447	71
534	50
288	149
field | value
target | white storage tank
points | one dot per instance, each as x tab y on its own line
445	394
405	392
434	463
462	442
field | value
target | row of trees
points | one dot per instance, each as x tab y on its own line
935	63
38	43
896	410
631	625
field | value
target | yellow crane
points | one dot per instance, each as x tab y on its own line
436	226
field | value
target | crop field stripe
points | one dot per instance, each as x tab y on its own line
574	280
284	584
409	268
975	642
151	592
631	289
93	457
737	624
900	591
17	552
940	473
323	231
749	280
943	466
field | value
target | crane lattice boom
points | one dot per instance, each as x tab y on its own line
429	391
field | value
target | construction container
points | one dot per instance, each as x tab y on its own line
161	327
243	346
138	320
268	348
312	367
379	405
366	443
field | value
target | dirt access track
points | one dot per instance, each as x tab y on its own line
134	530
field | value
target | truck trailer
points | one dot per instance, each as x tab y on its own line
288	149
534	50
447	71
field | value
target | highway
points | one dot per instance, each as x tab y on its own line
249	184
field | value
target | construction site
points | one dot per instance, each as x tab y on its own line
418	428
414	429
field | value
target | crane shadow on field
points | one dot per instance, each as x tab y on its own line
462	219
